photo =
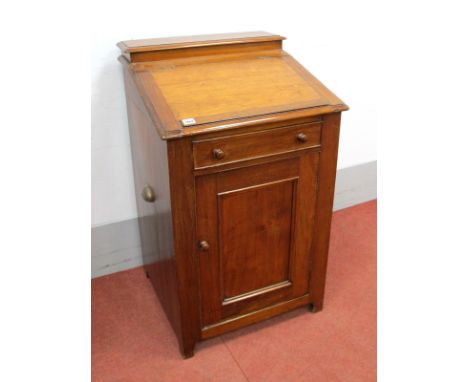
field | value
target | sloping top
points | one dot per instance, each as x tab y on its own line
201	93
216	91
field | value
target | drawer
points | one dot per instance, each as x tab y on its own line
217	151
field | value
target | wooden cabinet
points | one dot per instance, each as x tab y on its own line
234	149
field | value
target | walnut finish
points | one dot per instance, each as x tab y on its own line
235	204
213	152
237	88
256	256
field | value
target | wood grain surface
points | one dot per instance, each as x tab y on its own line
237	208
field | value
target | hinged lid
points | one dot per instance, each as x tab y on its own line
188	94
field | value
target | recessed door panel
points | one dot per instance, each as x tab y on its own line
255	225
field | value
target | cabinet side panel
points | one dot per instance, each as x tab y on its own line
325	193
150	168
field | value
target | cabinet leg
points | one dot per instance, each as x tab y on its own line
147	274
187	350
315	307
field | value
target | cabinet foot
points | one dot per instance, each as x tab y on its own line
188	355
147	274
187	351
316	307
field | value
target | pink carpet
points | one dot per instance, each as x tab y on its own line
132	340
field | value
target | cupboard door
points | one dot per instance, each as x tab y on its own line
254	227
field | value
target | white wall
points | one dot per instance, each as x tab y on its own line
336	48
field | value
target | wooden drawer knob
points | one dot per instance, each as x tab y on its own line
218	154
148	194
301	137
203	245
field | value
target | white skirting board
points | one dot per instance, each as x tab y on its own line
116	247
355	185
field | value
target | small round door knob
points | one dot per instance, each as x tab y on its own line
218	154
148	194
203	245
301	137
